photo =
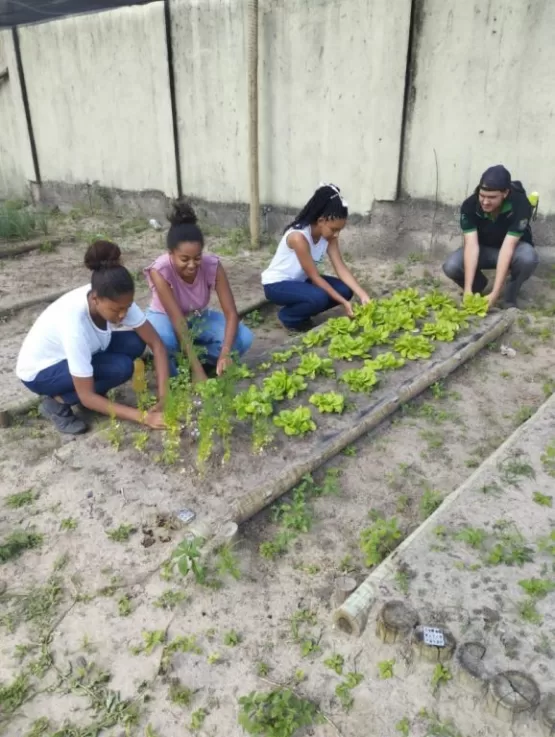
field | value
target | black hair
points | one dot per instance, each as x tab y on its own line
326	203
110	279
183	225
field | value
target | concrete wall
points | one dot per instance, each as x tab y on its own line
16	164
99	97
483	93
331	93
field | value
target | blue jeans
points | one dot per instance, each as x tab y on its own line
208	333
302	300
111	368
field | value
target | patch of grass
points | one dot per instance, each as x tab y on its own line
548	459
17	542
543	499
20	499
430	501
197	719
178	694
232	638
124	606
39	728
277	713
402	579
380	539
435	439
511	548
473	536
170	599
18	223
13	694
121	534
403	727
349	451
68	524
512	470
537	588
528	612
227	563
523	415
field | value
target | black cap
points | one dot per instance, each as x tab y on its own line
496	178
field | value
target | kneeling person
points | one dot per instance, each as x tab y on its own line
495	221
72	354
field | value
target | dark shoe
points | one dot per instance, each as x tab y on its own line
61	415
300	327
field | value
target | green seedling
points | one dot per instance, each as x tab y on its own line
179	694
262	669
276	547
360	380
254	319
528	612
430	501
277	713
380	539
350	451
303	616
232	638
344	690
214	658
20	499
546	543
282	357
385	669
510	550
312	365
124	606
17	542
309	647
197	719
335	663
402	580
227	563
512	470
543	499
548	459
153	639
473	536
170	599
537	588
186	558
403	727
121	534
440	676
39	728
68	524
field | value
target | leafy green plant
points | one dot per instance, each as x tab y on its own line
403	727
197	719
335	663
124	606
309	646
537	588
527	611
227	563
475	304
413	347
380	539
440	676
283	356
312	365
360	380
20	499
277	713
170	599
385	362
295	422
331	402
344	689
548	459
510	550
440	330
385	669
121	534
283	385
68	524
430	501
294	515
514	468
232	638
473	536
279	545
543	499
17	542
253	404
347	347
186	558
179	694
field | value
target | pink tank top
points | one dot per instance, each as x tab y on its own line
189	297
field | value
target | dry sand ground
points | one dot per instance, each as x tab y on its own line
83	595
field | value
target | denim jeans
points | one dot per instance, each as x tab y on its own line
302	300
523	264
208	333
111	368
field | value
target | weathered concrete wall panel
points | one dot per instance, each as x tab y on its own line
99	97
483	93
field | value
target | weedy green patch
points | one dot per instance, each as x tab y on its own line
430	501
344	690
20	499
385	669
380	539
544	500
515	468
232	638
277	713
537	588
528	612
335	663
17	542
121	534
440	676
548	459
179	694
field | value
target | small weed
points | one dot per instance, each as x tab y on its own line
344	689
350	451
335	663
277	713
39	728
68	524
346	564
302	617
170	599
440	676
548	388
380	539
14	694
253	319
227	563
153	639
513	469
20	499
309	647
523	415
528	612
438	390
402	503
548	459
61	562
178	694
121	534
214	658
434	439
537	588
17	542
402	579
262	669
403	727
124	606
232	638
473	536
510	550
543	499
197	719
398	270
186	558
385	669
430	501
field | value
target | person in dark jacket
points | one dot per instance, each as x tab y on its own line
495	222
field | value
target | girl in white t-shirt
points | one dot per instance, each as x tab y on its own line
292	279
72	354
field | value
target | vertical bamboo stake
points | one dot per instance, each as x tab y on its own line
253	122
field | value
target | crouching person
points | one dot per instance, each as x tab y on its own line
73	355
495	221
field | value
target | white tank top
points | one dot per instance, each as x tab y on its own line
285	266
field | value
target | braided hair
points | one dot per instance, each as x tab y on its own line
110	279
326	203
183	225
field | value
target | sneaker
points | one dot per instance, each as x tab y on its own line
300	327
61	415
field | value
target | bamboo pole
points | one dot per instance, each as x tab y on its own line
253	123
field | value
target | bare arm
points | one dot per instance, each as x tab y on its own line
179	323
503	263
147	333
343	271
471	252
97	403
298	243
227	302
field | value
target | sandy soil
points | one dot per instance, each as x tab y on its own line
69	598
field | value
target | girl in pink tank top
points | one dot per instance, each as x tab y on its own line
181	281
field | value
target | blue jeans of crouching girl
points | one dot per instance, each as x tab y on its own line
302	300
208	331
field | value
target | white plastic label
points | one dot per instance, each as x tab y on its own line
434	636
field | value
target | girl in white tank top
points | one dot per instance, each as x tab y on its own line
293	280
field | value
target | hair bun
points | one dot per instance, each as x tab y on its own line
102	255
182	213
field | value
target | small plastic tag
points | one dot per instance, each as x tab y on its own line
434	636
186	516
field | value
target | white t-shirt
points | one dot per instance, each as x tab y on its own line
285	266
65	331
